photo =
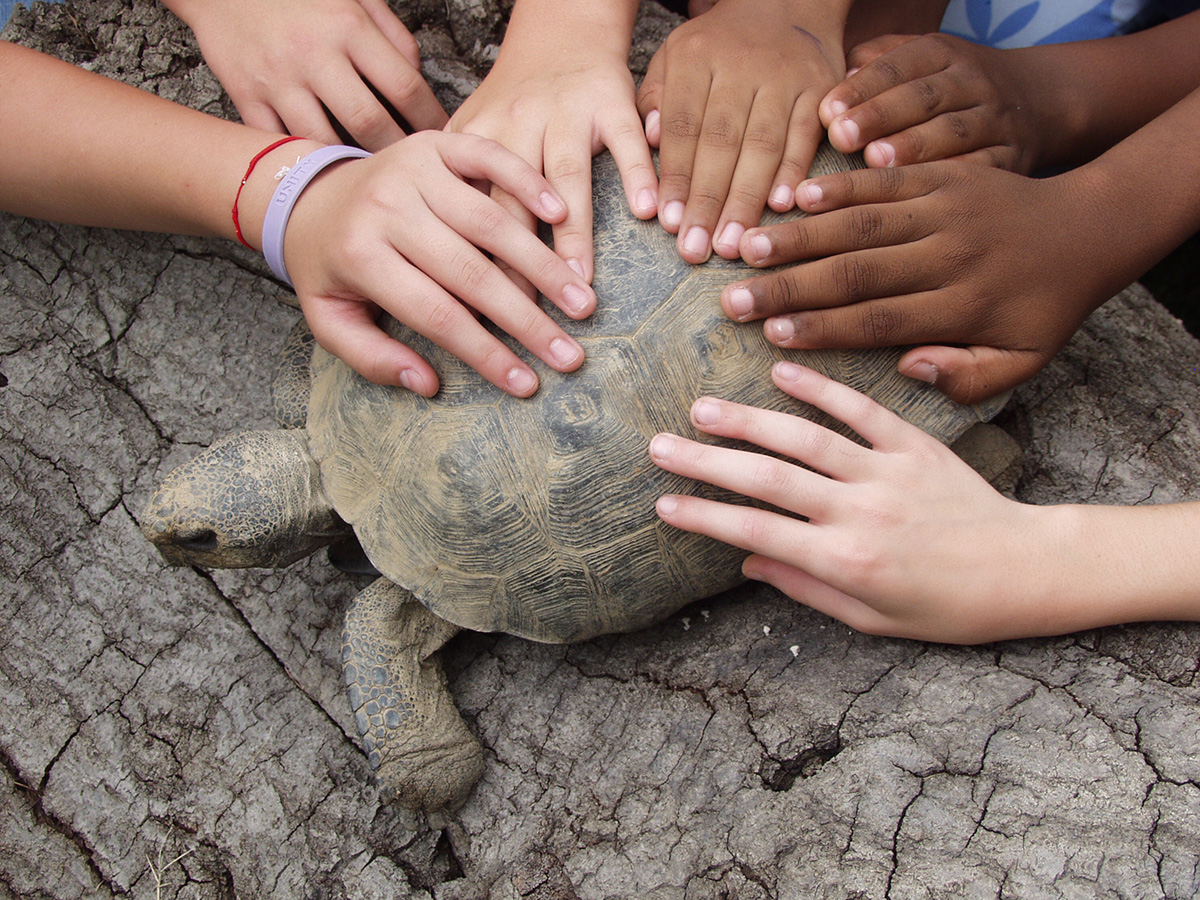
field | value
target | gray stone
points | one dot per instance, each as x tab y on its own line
169	733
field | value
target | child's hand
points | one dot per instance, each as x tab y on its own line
902	538
556	100
920	99
398	232
731	100
284	64
996	269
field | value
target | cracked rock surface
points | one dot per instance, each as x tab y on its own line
169	733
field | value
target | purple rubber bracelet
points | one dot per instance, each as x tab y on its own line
286	195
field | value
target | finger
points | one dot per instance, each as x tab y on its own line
494	228
920	123
348	98
412	297
347	329
864	227
901	64
649	99
758	162
460	268
477	159
632	156
746	527
393	29
816	594
303	115
792	436
716	157
400	82
568	164
970	375
261	116
880	427
804	137
887	322
680	123
863	186
526	222
844	280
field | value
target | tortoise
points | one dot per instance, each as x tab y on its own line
481	511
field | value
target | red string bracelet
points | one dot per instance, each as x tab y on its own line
237	226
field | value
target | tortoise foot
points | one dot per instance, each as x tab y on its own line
423	754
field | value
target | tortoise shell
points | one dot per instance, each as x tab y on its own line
536	516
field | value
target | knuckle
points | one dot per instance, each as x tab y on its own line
889	72
764	140
958	125
851	278
491	221
721	133
928	93
368	121
441	317
682	125
756	528
881	324
867	226
781	295
771	477
475	273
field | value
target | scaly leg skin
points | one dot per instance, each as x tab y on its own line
422	752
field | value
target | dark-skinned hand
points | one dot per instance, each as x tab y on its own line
988	273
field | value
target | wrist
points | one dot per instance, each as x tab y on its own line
285	196
260	181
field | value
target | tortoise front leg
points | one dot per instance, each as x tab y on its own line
423	755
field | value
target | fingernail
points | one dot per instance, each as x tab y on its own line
576	299
923	371
837	107
521	381
885	153
751	571
407	377
576	267
848	129
672	214
812	193
782	198
652	118
551	205
706	412
760	247
786	371
565	352
662	446
646	202
695	242
740	302
780	330
666	505
731	235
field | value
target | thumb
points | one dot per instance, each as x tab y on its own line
970	375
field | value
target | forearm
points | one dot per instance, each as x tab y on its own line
1089	95
551	28
1106	565
1141	199
93	151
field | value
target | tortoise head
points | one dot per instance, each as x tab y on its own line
252	499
